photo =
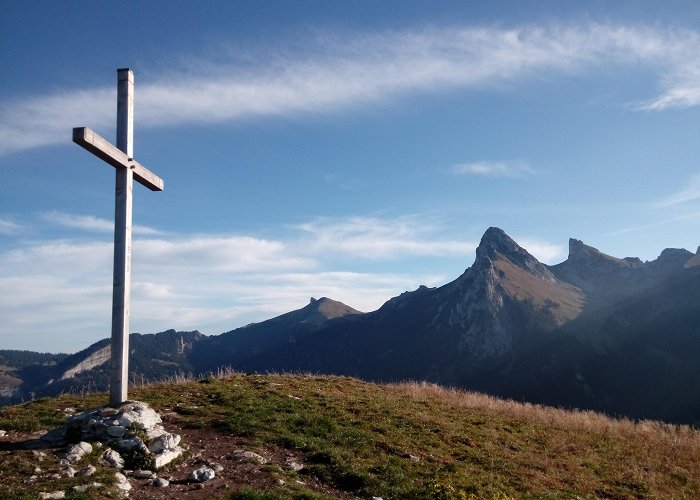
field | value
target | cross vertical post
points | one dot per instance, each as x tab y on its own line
119	370
121	158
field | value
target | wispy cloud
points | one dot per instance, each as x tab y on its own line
690	192
332	73
673	220
9	227
511	169
376	238
91	223
220	254
546	252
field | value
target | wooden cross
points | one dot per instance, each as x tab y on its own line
121	157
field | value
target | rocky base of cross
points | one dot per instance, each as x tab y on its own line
132	432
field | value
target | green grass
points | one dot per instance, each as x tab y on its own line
417	441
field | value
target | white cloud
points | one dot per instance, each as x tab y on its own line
375	238
333	73
8	227
219	254
45	120
92	223
56	295
690	192
548	253
493	169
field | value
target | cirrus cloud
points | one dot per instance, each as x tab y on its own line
511	169
690	192
380	238
332	73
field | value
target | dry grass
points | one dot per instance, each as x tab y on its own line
681	439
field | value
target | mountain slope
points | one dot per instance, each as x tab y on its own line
436	334
152	357
231	348
596	331
337	437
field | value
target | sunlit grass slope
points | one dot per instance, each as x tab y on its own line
418	440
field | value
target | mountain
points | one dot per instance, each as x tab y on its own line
596	331
235	347
437	334
152	357
617	335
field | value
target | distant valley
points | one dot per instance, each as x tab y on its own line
597	332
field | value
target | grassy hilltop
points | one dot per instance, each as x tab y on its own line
358	440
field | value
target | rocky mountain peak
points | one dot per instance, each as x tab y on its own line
496	241
578	250
321	310
674	256
497	245
587	257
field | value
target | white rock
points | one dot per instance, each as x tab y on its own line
165	457
295	466
143	474
249	456
122	483
82	488
113	458
202	474
52	494
127	418
3	433
147	418
78	451
165	441
86	471
68	471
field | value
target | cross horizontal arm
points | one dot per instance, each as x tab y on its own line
102	148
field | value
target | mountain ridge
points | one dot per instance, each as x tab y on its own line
509	325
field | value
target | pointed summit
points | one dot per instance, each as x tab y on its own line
495	240
497	245
323	309
316	312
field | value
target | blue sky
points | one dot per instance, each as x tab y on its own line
328	148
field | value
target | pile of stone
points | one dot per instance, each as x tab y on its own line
132	429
